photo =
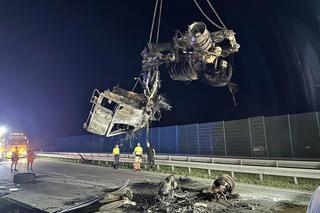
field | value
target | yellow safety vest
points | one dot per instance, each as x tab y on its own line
138	150
116	151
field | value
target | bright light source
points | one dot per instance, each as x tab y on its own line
3	130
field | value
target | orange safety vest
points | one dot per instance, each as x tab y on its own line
30	155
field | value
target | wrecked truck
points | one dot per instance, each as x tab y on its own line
196	54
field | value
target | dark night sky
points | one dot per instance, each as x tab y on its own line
53	53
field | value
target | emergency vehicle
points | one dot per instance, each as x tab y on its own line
13	140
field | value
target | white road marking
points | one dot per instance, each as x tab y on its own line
55	173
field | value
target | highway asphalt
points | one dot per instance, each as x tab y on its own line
61	184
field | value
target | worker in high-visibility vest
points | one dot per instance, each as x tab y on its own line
30	158
150	155
116	155
138	151
14	159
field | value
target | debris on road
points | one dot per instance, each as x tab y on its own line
27	177
116	204
175	195
117	198
184	195
14	189
111	200
173	198
82	159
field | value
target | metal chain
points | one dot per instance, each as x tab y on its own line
159	21
215	12
153	19
205	15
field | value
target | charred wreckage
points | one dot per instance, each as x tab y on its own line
170	195
196	54
175	196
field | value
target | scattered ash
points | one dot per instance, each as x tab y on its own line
144	194
182	196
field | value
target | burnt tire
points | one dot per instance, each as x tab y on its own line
226	181
24	178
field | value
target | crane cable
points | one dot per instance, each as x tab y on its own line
217	15
153	20
198	6
210	20
159	21
138	79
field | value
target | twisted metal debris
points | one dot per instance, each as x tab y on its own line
197	54
172	197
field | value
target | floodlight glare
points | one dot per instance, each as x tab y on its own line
3	130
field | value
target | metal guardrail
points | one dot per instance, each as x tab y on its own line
295	169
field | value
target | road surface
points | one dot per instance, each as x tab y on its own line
61	184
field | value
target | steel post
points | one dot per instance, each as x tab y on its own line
250	134
177	140
224	138
290	136
198	139
265	136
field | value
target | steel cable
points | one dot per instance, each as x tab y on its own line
217	15
205	15
159	21
153	19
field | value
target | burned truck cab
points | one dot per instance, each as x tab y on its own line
116	112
